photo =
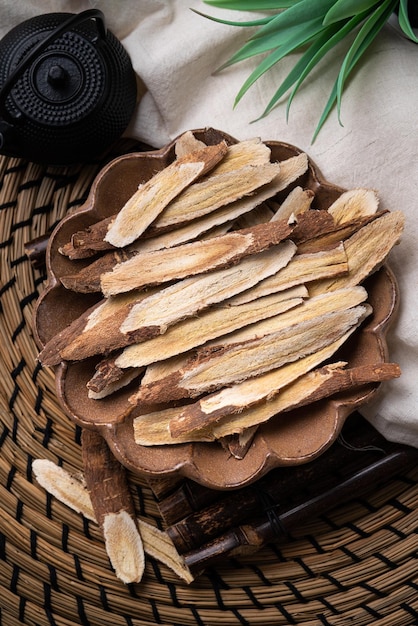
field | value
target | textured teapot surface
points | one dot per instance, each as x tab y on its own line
67	88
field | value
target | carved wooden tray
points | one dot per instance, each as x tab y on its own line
290	439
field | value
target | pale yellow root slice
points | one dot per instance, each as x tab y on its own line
230	400
199	257
310	387
323	382
303	268
201	417
366	251
191	295
247	152
154	195
308	310
187	143
238	362
139	316
64	486
183	234
196	331
114	372
124	546
353	204
298	201
72	492
199	199
214	192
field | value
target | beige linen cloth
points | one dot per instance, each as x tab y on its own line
175	52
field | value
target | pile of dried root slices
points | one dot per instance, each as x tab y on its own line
225	306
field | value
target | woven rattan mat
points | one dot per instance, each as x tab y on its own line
355	565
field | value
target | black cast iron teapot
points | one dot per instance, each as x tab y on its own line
67	88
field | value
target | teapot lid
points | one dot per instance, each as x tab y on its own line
52	69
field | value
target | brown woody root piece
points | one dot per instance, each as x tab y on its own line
180	424
334	235
366	251
302	268
137	317
102	315
88	242
71	491
115	379
199	257
153	429
239	444
193	332
353	204
285	322
113	507
191	295
87	280
144	205
313	386
237	362
154	195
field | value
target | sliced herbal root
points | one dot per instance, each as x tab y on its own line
85	335
366	250
353	204
153	428
154	195
183	211
113	506
237	362
214	192
199	257
287	322
311	387
197	421
72	492
232	400
302	268
188	334
191	295
138	316
298	201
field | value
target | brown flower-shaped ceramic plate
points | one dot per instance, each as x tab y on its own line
289	439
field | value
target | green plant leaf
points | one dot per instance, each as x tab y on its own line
365	36
343	9
329	38
354	58
302	11
404	22
302	68
250	49
267	43
260	22
303	34
251	5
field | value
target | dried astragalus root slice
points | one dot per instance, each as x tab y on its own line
72	492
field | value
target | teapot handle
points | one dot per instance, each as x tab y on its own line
76	19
